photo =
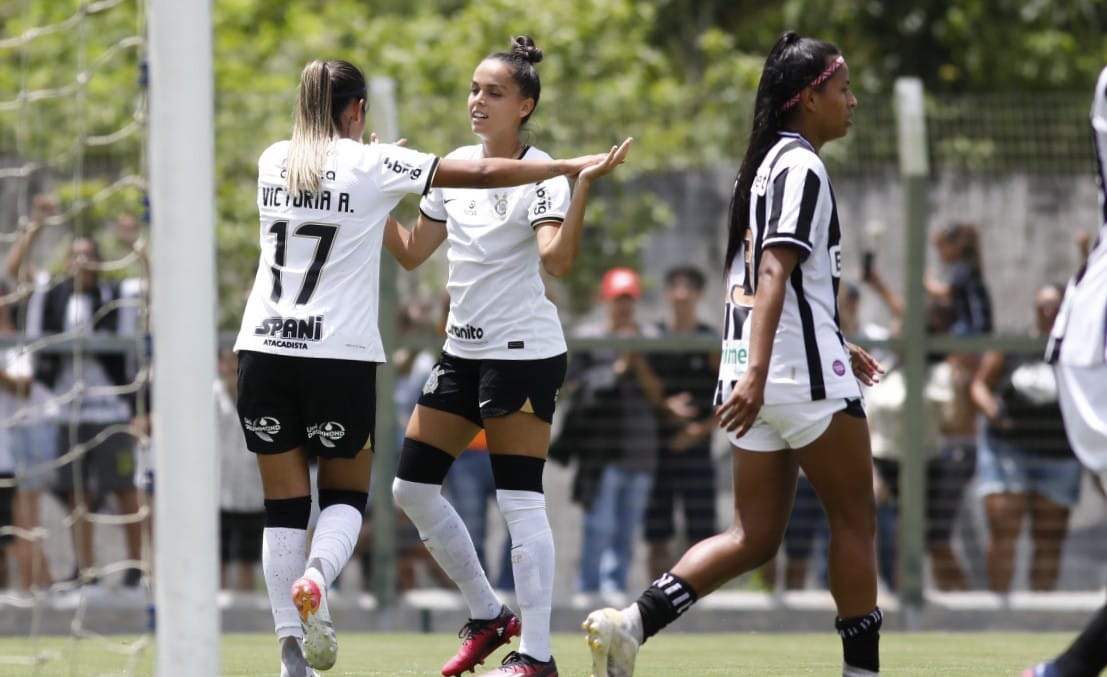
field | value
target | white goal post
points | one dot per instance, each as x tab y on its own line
182	203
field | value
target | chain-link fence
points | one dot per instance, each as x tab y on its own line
1014	169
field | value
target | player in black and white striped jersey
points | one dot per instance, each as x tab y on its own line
309	342
1078	348
788	391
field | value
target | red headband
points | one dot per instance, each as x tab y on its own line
837	63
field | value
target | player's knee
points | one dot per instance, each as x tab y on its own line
518	473
414	497
288	513
422	463
355	499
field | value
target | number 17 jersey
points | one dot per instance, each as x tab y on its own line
316	291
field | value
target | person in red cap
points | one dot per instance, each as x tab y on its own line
616	395
620	282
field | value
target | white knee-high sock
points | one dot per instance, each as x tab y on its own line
449	542
532	562
283	556
336	533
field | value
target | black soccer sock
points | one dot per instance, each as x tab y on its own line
861	639
663	602
1087	655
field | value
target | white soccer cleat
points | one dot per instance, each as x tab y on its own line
613	648
309	594
292	660
852	671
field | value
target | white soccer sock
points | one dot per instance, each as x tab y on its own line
448	540
336	534
283	557
532	562
632	622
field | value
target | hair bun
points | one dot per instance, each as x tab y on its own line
524	47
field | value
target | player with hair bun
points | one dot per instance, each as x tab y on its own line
310	343
788	393
502	364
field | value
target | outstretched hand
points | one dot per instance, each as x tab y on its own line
398	142
604	162
615	157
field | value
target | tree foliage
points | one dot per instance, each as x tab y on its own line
676	74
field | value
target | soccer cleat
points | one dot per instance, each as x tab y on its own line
521	665
292	659
1039	670
854	671
479	638
613	648
309	594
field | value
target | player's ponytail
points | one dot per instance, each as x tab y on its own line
326	88
793	64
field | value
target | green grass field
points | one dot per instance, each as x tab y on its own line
669	655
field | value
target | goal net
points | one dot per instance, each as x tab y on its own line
87	154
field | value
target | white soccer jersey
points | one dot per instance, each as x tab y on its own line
316	290
1078	341
1079	337
498	304
791	203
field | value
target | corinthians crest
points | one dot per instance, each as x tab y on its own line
499	203
432	381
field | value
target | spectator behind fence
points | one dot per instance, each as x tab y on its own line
958	247
685	470
945	473
12	384
241	502
615	395
1025	467
25	413
969	300
80	304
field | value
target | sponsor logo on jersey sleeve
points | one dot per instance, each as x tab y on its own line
401	167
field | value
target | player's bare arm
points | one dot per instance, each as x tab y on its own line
412	247
559	244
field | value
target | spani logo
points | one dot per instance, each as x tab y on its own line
328	433
264	427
